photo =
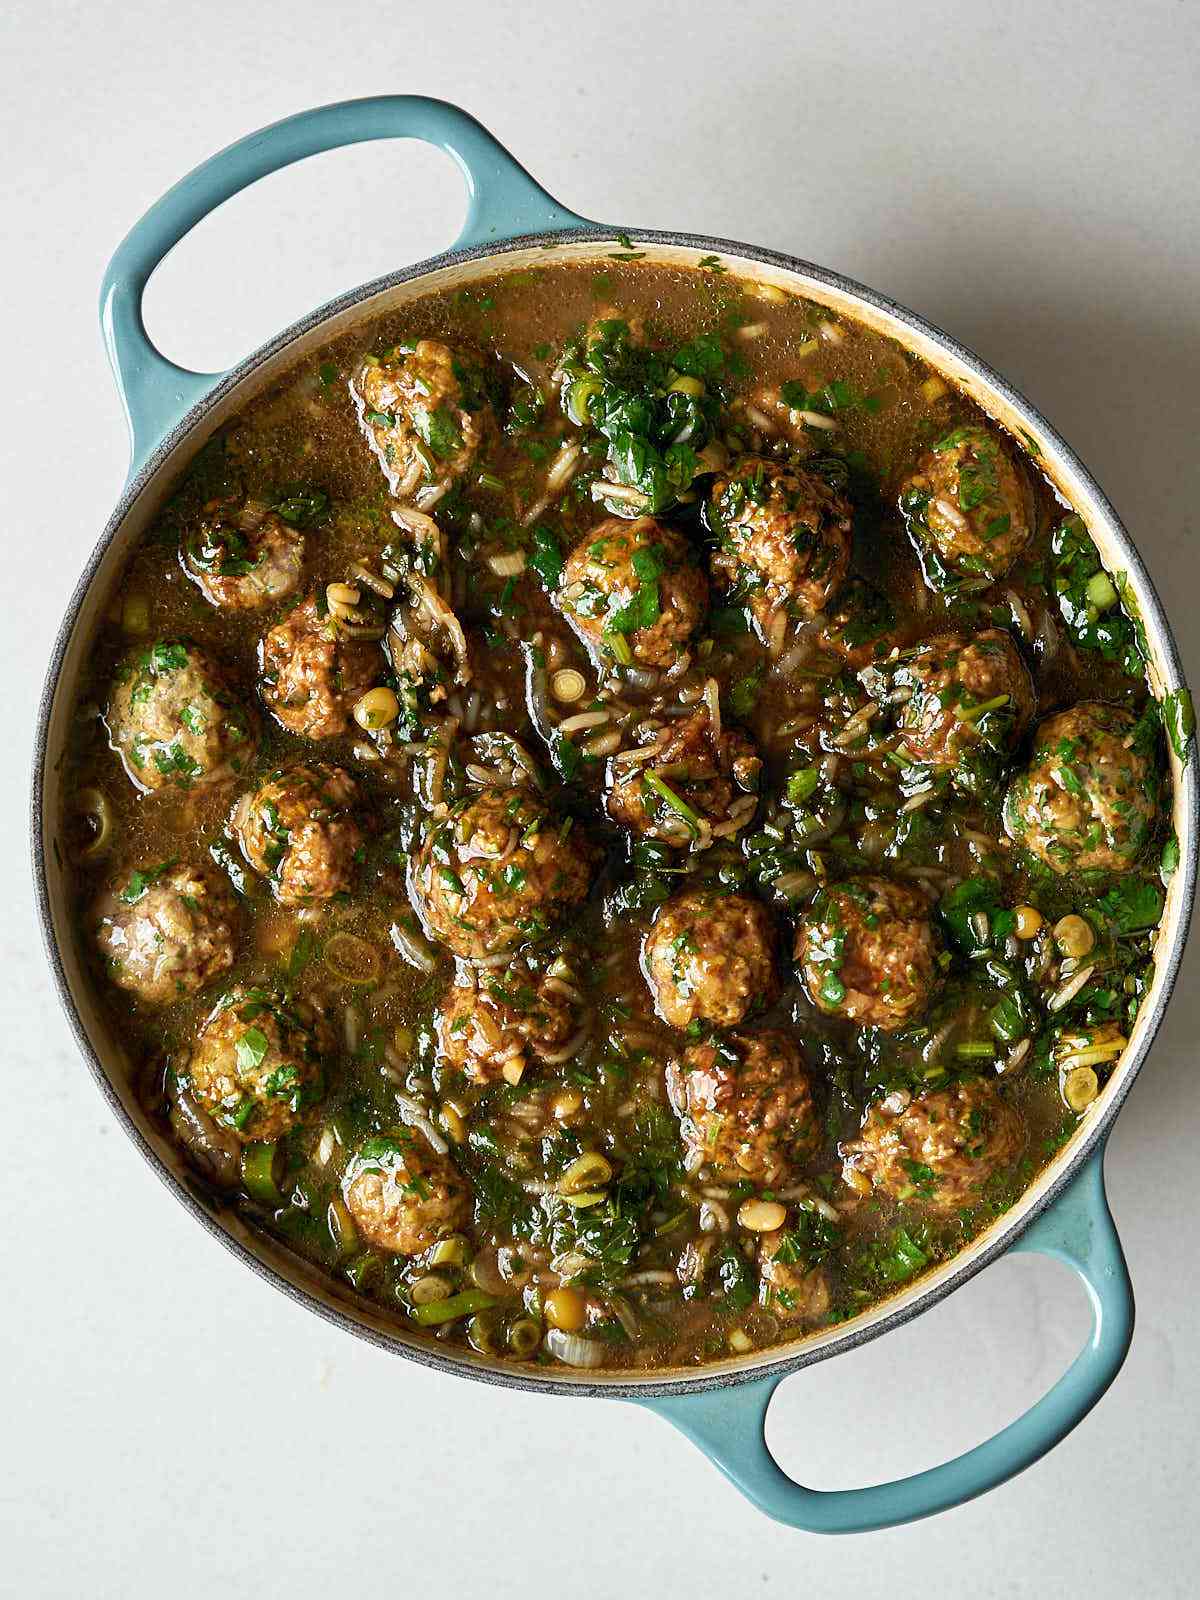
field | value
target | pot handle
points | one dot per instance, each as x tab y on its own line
728	1423
504	201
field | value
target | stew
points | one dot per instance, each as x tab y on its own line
619	815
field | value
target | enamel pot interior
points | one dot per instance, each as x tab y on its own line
101	1043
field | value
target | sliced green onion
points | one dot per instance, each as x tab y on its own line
1100	592
578	395
802	784
618	644
973	713
483	1332
341	1228
429	1289
678	805
588	1171
365	1270
1080	1087
262	1168
833	990
454	1251
463	1304
524	1337
1094	1056
976	1050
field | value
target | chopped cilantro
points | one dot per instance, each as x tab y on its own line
547	557
251	1049
142	878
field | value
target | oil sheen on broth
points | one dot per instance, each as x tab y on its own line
619	815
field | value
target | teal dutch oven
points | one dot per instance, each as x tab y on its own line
512	221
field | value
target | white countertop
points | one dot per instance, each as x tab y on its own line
1025	176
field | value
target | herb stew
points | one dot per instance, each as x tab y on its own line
619	815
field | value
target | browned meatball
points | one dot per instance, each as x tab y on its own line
684	786
968	506
174	721
966	696
166	930
497	873
258	1065
295	831
425	413
710	957
403	1195
868	952
243	560
1090	796
788	1286
313	671
938	1149
633	592
746	1107
783	538
496	1025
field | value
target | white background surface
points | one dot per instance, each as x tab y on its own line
1025	175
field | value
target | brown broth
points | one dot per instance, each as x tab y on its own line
507	1137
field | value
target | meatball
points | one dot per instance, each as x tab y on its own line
869	952
425	413
314	669
783	538
167	930
685	786
633	592
245	560
939	1148
966	696
746	1107
710	957
402	1195
788	1286
1090	796
174	722
968	506
498	1024
258	1064
295	830
498	873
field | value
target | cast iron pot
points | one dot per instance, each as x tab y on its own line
511	223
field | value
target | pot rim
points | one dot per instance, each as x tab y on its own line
718	1375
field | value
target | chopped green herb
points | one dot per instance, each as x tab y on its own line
547	557
301	507
1132	904
251	1049
141	879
